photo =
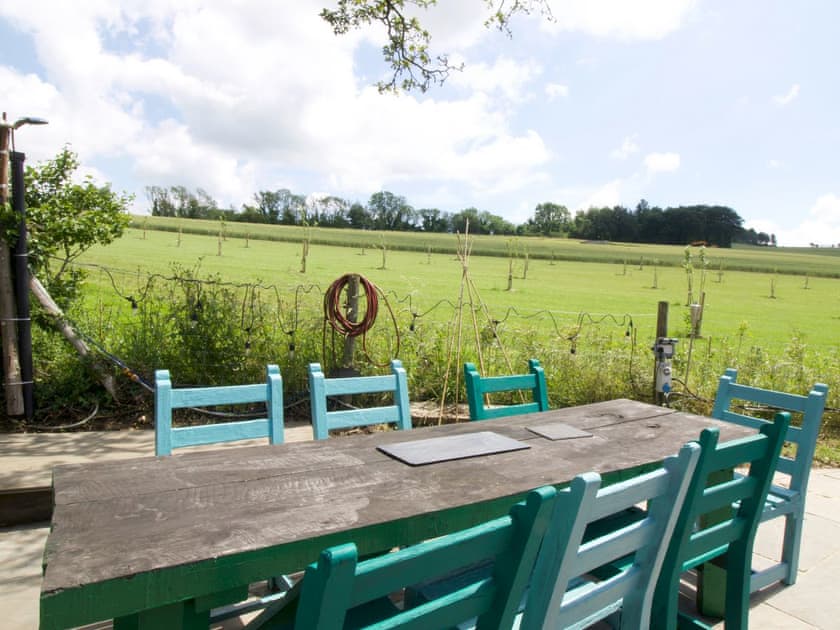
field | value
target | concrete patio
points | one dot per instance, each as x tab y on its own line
27	461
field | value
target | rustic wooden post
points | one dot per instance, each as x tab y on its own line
8	313
661	331
352	315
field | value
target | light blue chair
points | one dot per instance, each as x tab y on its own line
564	592
341	592
478	387
168	398
787	502
321	388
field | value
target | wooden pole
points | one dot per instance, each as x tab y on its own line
352	314
8	313
661	331
66	329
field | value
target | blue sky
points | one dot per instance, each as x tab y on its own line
674	101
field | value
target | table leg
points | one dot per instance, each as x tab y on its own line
711	577
179	615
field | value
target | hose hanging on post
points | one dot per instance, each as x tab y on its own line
343	325
333	312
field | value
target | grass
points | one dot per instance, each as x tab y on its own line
794	261
738	304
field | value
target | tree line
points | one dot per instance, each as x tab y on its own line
713	225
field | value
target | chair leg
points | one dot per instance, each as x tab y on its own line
790	546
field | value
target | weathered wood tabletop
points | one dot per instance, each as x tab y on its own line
194	529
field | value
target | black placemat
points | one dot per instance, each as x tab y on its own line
558	431
432	450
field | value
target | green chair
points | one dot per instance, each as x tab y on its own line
339	591
321	388
168	398
787	502
564	593
719	519
478	387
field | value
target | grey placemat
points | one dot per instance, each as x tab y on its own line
558	431
432	450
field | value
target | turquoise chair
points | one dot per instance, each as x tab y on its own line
321	388
479	387
168	398
718	521
787	502
564	593
341	592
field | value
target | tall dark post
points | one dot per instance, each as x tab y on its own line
21	271
661	331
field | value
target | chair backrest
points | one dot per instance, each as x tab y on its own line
338	582
321	387
797	465
168	398
558	597
721	513
478	387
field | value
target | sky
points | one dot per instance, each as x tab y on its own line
677	102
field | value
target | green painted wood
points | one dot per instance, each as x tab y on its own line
168	398
338	583
787	502
707	529
321	388
478	389
564	593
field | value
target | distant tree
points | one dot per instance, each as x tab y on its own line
550	218
329	211
359	217
390	211
433	220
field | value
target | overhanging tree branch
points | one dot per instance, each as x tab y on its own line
407	48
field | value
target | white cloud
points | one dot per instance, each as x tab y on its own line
250	94
785	99
556	90
628	147
607	196
774	164
642	19
820	226
662	162
505	76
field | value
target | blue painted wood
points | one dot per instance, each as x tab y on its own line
710	528
340	592
787	502
564	593
321	388
478	388
168	398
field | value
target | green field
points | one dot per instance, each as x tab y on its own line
738	304
796	261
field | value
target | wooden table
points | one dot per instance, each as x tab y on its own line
171	537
